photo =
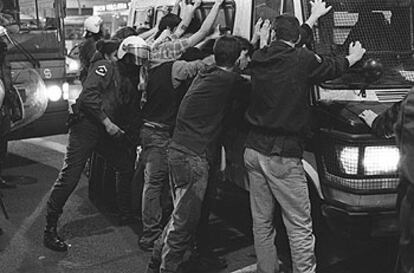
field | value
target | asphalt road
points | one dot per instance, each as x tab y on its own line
99	245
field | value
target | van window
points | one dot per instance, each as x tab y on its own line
385	29
225	17
143	17
269	9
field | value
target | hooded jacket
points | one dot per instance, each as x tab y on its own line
282	77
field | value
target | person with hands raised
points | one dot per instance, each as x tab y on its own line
175	48
279	114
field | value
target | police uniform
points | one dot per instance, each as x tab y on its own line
110	90
86	51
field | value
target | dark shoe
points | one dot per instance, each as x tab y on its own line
206	262
145	245
213	262
52	241
1	231
6	185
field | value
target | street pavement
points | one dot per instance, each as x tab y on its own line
99	245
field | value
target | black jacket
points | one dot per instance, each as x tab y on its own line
282	77
110	90
399	120
87	50
204	107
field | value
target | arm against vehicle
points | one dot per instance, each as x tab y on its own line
206	26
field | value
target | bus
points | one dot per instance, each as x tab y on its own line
36	55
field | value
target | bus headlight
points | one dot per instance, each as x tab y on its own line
379	160
54	92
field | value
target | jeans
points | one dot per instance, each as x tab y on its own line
280	179
188	176
155	147
84	137
405	260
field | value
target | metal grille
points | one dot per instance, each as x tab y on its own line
364	184
385	28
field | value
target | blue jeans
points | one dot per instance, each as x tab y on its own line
84	137
155	146
280	179
188	175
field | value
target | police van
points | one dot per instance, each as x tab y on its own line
352	174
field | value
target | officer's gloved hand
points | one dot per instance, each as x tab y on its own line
112	129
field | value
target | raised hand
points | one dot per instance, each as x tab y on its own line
318	8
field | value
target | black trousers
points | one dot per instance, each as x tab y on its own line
405	205
85	137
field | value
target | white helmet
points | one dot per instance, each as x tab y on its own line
136	46
92	24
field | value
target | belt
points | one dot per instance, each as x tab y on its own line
157	126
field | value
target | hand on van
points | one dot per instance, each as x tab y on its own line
368	116
356	52
256	35
318	9
265	33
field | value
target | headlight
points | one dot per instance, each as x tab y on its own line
379	160
54	92
348	159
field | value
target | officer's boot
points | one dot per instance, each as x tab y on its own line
51	239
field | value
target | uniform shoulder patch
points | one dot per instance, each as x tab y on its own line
101	70
318	58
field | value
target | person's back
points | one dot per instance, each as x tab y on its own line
202	108
282	76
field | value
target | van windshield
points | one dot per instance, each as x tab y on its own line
385	29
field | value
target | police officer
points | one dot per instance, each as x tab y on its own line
398	121
93	26
107	122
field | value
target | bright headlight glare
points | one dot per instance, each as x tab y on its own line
381	160
65	90
348	159
54	92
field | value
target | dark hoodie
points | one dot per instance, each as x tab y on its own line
282	77
203	108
